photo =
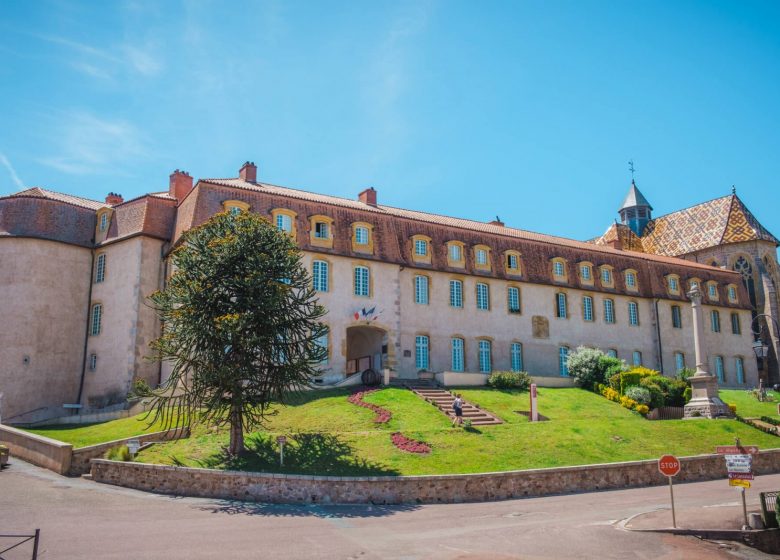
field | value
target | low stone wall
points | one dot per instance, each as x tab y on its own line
38	450
82	456
278	488
551	381
455	378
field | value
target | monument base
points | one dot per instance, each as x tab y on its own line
705	402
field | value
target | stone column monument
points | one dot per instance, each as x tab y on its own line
704	387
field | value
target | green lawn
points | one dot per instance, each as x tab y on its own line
328	435
81	435
748	406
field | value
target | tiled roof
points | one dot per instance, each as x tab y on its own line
149	214
37	192
197	217
623	235
716	222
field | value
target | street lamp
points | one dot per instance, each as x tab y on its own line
760	347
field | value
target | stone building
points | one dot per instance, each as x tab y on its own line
405	290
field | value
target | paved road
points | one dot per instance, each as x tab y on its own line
82	519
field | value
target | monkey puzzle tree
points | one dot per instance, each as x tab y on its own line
241	325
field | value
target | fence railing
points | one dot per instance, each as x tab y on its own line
768	501
666	413
20	540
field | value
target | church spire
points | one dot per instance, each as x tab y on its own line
635	212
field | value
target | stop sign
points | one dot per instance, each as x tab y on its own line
669	465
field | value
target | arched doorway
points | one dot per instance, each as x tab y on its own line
366	348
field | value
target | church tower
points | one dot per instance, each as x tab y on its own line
635	211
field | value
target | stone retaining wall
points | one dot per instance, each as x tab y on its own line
38	450
279	488
82	456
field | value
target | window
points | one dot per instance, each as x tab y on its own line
587	308
455	253
482	257
606	276
693	284
612	353
421	352
284	222
736	328
516	356
740	370
631	280
457	354
559	271
362	285
321	230
100	268
712	290
361	235
421	289
679	361
235	207
719	369
484	356
513	263
674	284
362	238
513	299
456	293
586	272
104	221
732	291
320	276
563	361
234	210
421	249
715	320
97	317
92	362
609	311
633	313
483	296
637	358
322	342
560	305
676	317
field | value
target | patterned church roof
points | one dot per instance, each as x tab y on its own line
717	222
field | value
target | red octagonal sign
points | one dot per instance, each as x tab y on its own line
669	465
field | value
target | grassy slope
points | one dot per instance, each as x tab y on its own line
748	406
81	435
342	439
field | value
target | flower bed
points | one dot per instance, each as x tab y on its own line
382	415
410	445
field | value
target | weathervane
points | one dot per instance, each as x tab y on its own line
631	169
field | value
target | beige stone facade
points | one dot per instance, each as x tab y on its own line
405	290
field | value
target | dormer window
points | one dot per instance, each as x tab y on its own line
606	276
235	207
421	249
482	257
694	283
284	221
631	280
559	269
362	237
455	254
586	272
673	284
321	231
732	293
513	263
712	291
104	221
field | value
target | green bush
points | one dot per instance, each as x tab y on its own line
612	366
120	453
634	377
672	390
639	394
687	395
509	380
614	382
590	366
685	373
657	395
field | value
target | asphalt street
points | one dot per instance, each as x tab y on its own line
81	519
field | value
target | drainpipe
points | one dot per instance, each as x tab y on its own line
659	346
86	333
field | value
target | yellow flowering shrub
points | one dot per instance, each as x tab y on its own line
642	409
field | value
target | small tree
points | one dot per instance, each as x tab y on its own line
585	366
240	324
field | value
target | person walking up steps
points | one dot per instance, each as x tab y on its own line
457	406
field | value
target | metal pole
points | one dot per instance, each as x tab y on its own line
671	493
744	507
281	454
35	544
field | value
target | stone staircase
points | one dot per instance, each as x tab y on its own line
443	401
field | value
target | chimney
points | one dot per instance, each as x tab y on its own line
181	185
248	172
112	199
368	196
496	222
615	243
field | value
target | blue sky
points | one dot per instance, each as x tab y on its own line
526	110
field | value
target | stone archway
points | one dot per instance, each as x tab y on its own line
367	347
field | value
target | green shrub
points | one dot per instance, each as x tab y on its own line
120	453
509	380
672	390
639	394
614	382
657	395
685	373
687	395
584	366
634	377
612	366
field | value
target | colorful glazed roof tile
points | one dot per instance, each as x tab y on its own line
717	222
620	236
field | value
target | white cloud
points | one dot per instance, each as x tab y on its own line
90	144
142	61
11	171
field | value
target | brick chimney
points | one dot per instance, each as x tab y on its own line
248	172
112	199
180	185
368	196
615	243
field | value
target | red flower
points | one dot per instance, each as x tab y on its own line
382	416
409	445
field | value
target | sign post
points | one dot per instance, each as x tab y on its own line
669	466
534	410
739	464
281	440
133	446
